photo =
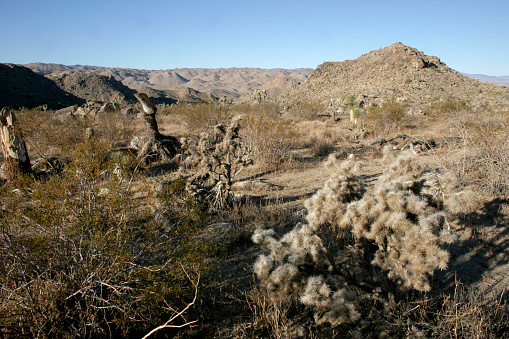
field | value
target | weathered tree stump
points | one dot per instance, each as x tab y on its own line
164	147
14	150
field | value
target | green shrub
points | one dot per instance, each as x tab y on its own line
386	117
81	257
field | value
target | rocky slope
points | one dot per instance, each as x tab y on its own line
271	90
20	87
232	82
396	72
93	87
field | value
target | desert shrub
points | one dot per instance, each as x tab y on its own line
321	148
201	116
358	241
46	135
479	151
269	138
305	109
266	107
437	110
81	257
114	128
386	117
471	313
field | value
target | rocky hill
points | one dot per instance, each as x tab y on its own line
232	82
396	72
93	87
20	87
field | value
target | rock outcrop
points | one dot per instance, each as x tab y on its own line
21	87
94	87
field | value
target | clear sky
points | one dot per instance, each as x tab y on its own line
469	36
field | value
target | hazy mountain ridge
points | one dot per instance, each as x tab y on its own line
495	80
232	82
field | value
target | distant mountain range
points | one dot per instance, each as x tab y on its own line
500	81
219	82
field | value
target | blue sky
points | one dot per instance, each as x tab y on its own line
469	36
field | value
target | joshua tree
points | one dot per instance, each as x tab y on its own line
14	149
162	146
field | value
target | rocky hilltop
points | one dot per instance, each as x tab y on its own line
396	72
20	87
93	87
232	82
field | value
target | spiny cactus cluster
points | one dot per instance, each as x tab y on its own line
215	159
362	239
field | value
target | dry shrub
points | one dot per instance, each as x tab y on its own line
46	135
440	110
115	128
387	118
321	148
479	151
320	137
267	107
270	316
472	313
199	117
269	138
305	109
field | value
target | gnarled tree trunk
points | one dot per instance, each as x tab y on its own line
14	149
162	146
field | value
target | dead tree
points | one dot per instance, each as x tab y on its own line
14	149
163	147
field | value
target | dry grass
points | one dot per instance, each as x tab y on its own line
477	149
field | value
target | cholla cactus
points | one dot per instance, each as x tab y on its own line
405	215
398	225
215	159
344	186
296	262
